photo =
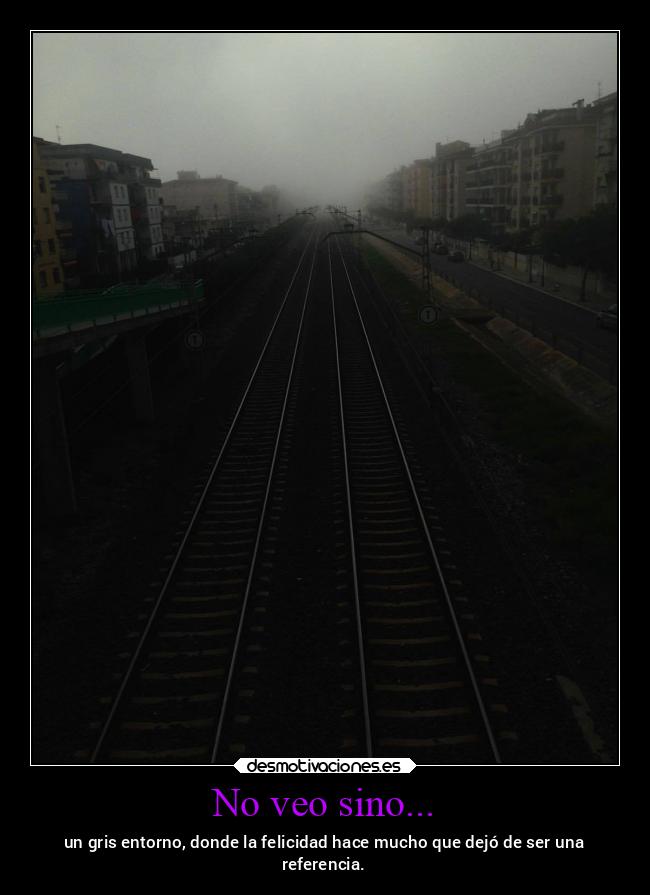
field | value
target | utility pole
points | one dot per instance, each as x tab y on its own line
359	234
426	264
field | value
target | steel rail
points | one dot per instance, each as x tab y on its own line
260	526
154	612
450	607
353	544
451	415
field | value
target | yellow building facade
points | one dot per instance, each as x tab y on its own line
47	271
417	188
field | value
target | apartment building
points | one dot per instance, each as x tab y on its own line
606	174
47	270
559	164
108	210
146	214
417	179
448	179
488	179
214	197
552	158
388	193
185	228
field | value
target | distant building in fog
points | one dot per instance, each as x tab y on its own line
214	197
559	164
258	208
448	179
488	179
417	188
388	193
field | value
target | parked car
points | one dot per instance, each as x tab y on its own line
456	256
608	319
440	249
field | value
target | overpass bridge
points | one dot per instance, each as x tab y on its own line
75	318
60	326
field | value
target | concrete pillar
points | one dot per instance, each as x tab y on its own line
53	469
141	397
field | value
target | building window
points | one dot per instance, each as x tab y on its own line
57	275
46	215
37	244
42	278
51	246
41	184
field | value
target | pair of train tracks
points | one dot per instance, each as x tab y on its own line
409	671
172	699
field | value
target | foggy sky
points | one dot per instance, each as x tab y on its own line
321	114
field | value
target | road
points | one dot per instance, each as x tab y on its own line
574	328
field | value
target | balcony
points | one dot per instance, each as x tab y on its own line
98	176
551	201
68	254
558	146
486	166
485	201
553	174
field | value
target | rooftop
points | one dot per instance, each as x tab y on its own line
91	150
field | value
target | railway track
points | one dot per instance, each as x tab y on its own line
421	695
173	696
314	450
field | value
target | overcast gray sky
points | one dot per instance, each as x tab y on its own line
320	113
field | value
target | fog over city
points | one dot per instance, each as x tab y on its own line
325	434
320	115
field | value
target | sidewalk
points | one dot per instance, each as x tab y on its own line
563	292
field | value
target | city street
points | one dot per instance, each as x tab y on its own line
520	302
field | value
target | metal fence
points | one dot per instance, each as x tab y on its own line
117	303
573	348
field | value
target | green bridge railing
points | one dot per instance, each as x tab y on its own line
110	305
